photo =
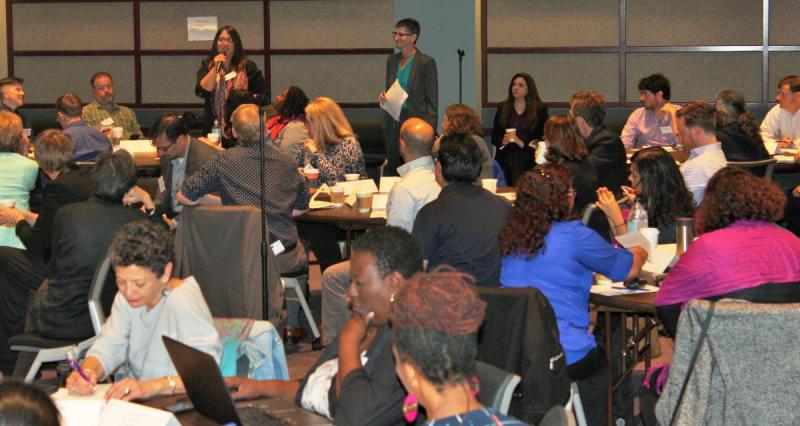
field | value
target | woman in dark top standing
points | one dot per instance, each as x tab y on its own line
737	129
524	111
660	187
226	68
565	146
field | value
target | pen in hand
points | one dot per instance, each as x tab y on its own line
75	366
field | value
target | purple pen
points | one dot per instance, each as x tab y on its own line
75	366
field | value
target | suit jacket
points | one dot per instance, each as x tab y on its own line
423	87
607	154
199	154
73	185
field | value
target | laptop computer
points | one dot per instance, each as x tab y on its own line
206	388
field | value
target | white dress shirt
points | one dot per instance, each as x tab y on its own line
416	188
703	162
779	123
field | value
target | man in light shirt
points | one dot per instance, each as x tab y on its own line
104	113
654	122
698	127
781	125
416	188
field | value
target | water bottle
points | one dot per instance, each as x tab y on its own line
216	129
637	218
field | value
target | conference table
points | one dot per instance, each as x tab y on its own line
284	410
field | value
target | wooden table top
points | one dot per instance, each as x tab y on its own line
639	302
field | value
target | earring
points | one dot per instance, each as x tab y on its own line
475	387
391	298
410	408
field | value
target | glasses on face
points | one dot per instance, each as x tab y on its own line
224	40
161	147
399	34
572	193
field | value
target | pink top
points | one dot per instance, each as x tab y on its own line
745	254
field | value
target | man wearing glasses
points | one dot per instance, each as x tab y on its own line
103	113
416	74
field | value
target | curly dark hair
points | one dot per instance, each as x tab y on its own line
542	198
23	404
294	102
664	193
735	194
462	120
564	139
142	243
393	248
435	321
732	108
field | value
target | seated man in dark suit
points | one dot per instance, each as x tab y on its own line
606	151
181	156
461	227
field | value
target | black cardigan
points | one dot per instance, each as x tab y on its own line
256	85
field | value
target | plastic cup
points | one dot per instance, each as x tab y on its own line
364	201
8	202
651	234
489	185
312	179
213	138
338	196
351	177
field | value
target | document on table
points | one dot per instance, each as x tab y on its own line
395	97
93	410
609	288
658	260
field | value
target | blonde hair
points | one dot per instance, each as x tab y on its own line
245	120
326	122
10	132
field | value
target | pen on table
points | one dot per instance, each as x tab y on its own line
75	366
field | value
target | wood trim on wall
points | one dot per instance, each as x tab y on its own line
137	52
622	49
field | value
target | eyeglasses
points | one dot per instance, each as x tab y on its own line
224	40
572	193
160	148
399	34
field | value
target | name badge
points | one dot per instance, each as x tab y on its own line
161	186
277	247
107	122
230	76
666	130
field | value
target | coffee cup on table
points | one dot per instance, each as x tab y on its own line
651	235
489	185
337	195
312	178
364	201
213	138
349	177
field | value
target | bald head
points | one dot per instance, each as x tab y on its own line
416	139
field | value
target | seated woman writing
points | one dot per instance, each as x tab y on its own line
435	321
544	248
149	304
354	382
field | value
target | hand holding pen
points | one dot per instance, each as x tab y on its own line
80	381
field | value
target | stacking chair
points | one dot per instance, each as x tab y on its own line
768	166
44	350
557	416
496	386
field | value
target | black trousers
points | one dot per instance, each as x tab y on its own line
20	276
591	373
323	240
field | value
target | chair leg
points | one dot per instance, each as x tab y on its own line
577	406
23	366
301	298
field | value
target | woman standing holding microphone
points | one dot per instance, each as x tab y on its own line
225	69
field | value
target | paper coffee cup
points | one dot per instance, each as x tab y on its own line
213	138
511	130
116	132
352	176
651	235
8	202
489	185
338	196
364	201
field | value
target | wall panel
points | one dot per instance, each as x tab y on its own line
48	77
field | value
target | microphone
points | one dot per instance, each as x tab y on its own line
219	64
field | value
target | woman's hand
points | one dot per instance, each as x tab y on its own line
220	58
77	385
9	216
608	204
382	98
129	389
311	146
355	329
512	138
245	388
138	195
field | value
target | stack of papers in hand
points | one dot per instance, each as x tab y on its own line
658	258
93	410
395	97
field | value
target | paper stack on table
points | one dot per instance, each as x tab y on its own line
93	410
135	146
608	288
395	97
